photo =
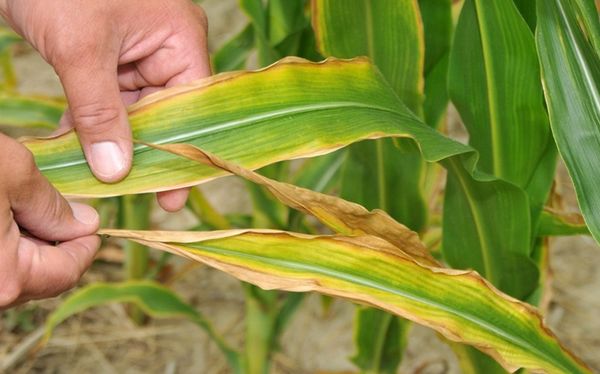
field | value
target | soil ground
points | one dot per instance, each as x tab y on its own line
103	340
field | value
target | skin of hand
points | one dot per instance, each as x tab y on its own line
109	54
34	266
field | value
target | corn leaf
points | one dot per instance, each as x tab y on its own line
30	111
385	332
458	304
233	55
339	215
286	17
256	11
380	112
437	24
494	85
472	361
381	339
390	33
7	38
246	118
571	75
560	224
528	12
588	14
328	105
493	82
154	299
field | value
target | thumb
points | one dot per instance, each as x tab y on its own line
100	119
35	205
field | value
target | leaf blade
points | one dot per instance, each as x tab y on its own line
570	73
302	263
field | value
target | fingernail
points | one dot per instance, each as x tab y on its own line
107	159
85	214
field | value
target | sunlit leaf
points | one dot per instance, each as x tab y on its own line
460	305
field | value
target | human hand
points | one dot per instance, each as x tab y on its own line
109	54
35	267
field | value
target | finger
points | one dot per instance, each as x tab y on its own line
174	200
10	285
100	118
65	124
37	207
66	121
47	271
198	61
130	78
198	64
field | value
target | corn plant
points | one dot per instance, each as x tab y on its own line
469	260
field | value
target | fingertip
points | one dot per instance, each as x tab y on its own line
110	161
86	215
173	201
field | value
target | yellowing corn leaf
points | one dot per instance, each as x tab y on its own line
341	216
296	109
459	304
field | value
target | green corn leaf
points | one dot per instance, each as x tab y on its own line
154	299
436	93
380	339
556	224
571	76
390	32
7	73
527	10
30	111
493	82
233	55
257	13
437	24
286	17
472	361
7	38
320	174
494	85
459	305
588	14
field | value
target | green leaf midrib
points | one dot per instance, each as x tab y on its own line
239	122
490	84
316	269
